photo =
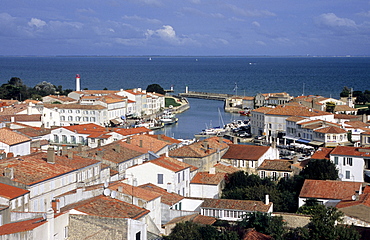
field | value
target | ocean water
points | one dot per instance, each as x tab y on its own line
324	76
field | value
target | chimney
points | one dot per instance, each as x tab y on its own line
205	144
118	148
55	204
70	154
357	195
50	223
99	142
29	109
79	148
267	199
64	150
9	172
128	140
212	170
168	187
141	143
10	155
220	139
50	155
120	189
12	119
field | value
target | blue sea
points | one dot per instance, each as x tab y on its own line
324	76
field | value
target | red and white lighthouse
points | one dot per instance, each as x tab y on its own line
78	88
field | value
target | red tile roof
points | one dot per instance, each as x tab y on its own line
165	138
145	141
207	178
200	149
10	137
351	151
364	199
131	131
107	207
252	234
34	168
21	226
117	152
171	164
244	205
322	153
245	152
10	192
328	189
138	192
330	129
195	218
222	167
276	165
299	111
74	106
167	197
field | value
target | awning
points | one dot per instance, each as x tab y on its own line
303	140
116	121
316	143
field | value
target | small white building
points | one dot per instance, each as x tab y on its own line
207	184
352	162
15	143
165	172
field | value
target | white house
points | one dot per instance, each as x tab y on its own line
352	162
233	210
248	157
207	184
165	172
47	175
15	143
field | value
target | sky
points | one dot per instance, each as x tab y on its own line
185	27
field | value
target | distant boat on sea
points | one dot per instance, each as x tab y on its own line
150	59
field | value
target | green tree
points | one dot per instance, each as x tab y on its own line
185	231
345	92
330	107
324	226
320	169
236	180
264	223
155	88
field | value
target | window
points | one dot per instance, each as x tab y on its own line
62	118
348	174
336	160
77	111
159	178
286	175
70	118
69	111
92	119
344	161
274	176
66	232
349	161
73	139
263	174
138	236
178	177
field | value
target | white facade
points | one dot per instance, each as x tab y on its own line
350	167
19	149
177	182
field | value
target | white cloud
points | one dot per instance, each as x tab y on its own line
256	24
138	18
364	14
262	43
35	22
331	20
168	34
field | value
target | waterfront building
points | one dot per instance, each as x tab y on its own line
271	122
271	99
315	132
365	139
319	102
